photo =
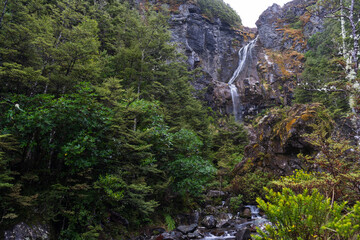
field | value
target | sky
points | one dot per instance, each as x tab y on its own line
250	10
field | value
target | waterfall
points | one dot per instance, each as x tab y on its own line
245	53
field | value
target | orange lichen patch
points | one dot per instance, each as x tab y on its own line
290	124
296	35
305	18
290	62
306	116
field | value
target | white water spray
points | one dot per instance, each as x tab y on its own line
244	54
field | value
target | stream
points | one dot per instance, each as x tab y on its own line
233	230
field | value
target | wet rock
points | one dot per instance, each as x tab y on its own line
246	213
195	235
31	232
222	219
157	231
187	229
173	235
209	222
267	25
244	234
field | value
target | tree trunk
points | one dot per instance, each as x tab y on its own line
3	13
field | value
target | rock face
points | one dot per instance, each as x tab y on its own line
276	60
288	27
210	44
272	68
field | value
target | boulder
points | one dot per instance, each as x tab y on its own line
173	235
222	219
244	234
246	213
185	229
195	235
209	222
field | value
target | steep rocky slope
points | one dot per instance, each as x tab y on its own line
211	45
269	78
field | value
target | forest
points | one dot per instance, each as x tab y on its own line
103	135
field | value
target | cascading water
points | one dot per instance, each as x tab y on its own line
245	53
230	232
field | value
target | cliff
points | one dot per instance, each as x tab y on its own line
269	78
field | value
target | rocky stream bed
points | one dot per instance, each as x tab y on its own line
213	223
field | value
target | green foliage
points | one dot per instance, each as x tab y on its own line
347	226
323	78
54	46
186	142
338	168
62	130
298	216
170	223
236	203
191	174
308	216
250	185
219	9
6	181
104	116
228	145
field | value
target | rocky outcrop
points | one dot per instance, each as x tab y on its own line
280	138
283	38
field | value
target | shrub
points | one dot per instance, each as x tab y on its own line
235	203
347	226
301	216
250	185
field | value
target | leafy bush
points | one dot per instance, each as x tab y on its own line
338	168
191	174
250	185
235	203
302	216
219	9
170	223
347	226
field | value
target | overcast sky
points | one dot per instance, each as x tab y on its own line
250	10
